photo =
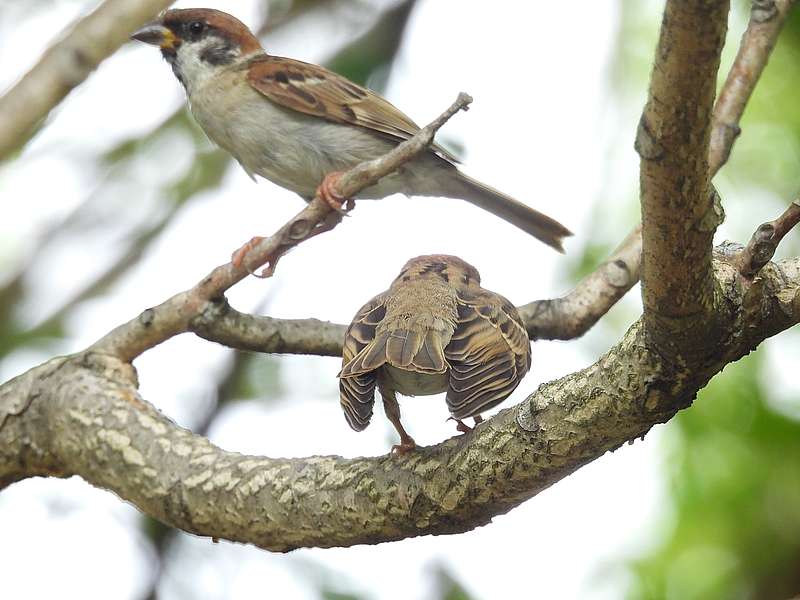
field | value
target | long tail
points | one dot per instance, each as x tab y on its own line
539	225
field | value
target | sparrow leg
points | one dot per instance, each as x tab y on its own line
462	427
392	410
328	192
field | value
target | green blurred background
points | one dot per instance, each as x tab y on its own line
730	526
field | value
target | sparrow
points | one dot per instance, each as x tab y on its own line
299	125
435	329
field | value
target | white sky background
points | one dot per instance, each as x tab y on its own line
538	129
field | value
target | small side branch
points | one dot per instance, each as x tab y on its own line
572	315
175	315
766	21
762	246
594	296
67	64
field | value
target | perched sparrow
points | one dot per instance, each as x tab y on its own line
434	329
294	123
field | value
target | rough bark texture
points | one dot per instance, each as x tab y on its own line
82	415
680	209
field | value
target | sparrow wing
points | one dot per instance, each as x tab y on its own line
357	384
316	91
489	354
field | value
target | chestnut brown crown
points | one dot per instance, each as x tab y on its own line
177	26
191	23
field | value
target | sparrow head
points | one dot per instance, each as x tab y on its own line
451	269
197	42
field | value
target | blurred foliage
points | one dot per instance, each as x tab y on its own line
735	485
382	42
733	462
448	588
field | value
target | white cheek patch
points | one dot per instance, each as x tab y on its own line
195	70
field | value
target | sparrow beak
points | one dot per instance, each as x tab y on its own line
157	35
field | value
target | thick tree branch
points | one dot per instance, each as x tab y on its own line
680	209
594	296
67	64
172	317
83	415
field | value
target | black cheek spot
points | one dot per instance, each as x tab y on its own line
406	277
219	55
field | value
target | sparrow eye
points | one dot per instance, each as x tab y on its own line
196	28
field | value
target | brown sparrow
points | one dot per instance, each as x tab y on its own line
434	329
294	123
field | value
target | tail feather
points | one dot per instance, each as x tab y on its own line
531	221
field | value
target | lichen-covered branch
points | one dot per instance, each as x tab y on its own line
82	415
680	209
67	64
173	316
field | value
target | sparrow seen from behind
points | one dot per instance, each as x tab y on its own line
435	329
298	124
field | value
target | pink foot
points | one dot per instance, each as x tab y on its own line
328	192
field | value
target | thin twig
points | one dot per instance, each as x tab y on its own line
67	64
575	313
762	246
572	315
174	316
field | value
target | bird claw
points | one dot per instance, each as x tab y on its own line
238	259
463	427
404	447
330	195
